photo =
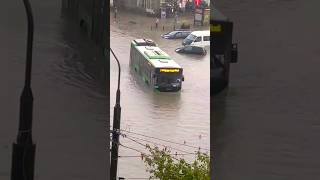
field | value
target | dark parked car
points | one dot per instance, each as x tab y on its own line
192	50
176	35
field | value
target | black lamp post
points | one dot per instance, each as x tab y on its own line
23	153
116	128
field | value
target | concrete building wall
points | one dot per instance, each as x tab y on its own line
129	4
156	4
141	5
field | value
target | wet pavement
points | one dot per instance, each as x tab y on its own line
126	20
267	122
69	95
178	117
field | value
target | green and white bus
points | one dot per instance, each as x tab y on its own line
156	67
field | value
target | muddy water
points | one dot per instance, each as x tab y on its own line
177	117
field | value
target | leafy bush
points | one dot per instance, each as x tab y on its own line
185	26
165	166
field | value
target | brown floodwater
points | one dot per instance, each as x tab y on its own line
178	117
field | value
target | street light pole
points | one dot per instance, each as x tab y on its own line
116	128
23	153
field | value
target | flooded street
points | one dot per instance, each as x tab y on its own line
181	116
69	116
267	123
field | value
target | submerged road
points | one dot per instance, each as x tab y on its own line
69	96
267	123
178	117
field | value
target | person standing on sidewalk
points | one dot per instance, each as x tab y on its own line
157	21
175	20
115	13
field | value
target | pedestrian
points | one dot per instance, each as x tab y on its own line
176	19
157	21
115	13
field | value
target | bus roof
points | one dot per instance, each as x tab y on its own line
144	42
157	57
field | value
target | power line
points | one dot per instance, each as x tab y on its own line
142	153
156	144
118	143
132	149
144	145
168	141
129	156
139	178
177	154
125	136
146	155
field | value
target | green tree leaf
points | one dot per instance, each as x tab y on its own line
163	165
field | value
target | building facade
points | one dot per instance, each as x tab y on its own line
92	16
144	6
153	7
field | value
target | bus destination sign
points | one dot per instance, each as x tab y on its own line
216	28
169	70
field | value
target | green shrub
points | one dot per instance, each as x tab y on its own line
165	166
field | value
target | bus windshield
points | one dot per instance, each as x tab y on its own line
168	79
169	76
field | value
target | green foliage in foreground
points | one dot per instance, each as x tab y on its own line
164	166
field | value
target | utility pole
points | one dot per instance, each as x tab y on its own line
23	153
116	128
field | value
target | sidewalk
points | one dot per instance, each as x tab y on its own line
134	22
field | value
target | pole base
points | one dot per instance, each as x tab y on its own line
23	157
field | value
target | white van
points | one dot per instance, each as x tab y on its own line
198	38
